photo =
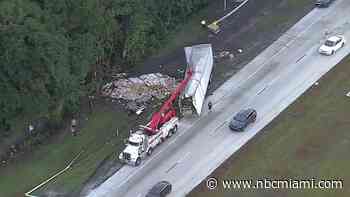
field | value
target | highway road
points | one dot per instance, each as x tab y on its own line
269	83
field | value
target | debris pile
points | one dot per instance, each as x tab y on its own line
224	55
133	107
348	94
119	76
140	89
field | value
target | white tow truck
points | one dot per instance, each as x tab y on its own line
141	143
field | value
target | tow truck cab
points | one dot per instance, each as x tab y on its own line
136	146
140	144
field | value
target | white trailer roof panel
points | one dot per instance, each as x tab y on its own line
200	59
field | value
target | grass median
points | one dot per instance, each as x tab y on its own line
97	139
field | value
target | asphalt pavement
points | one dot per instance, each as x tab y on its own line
269	83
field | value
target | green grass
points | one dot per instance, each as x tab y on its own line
16	132
310	139
282	16
186	34
97	141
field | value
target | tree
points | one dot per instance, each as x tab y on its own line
48	47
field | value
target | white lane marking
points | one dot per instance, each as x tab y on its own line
171	167
262	90
185	157
178	162
217	128
300	58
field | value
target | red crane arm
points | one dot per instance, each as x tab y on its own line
167	111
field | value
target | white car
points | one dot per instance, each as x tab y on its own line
332	45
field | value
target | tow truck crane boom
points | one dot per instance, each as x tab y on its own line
167	111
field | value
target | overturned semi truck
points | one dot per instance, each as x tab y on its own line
200	60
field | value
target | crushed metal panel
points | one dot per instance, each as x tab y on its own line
200	59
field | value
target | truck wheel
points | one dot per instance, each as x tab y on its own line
174	129
254	119
210	82
150	151
170	133
138	161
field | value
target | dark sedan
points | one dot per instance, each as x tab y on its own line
323	3
161	189
242	119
